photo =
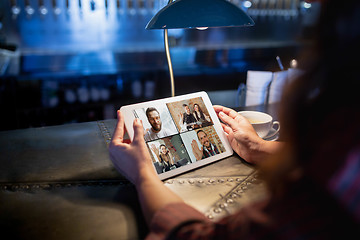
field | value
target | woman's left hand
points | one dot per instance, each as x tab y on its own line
243	137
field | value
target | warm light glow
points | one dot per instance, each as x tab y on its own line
202	28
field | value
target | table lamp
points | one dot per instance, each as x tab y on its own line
200	14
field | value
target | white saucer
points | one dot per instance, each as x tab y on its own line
273	138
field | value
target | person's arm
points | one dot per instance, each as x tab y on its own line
243	138
171	157
182	123
207	118
192	118
134	162
156	151
194	114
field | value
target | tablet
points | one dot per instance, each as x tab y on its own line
182	133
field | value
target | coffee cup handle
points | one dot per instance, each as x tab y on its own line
277	130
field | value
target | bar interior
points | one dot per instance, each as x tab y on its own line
66	66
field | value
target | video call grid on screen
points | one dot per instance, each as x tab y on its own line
180	132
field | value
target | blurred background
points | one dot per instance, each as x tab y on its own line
69	61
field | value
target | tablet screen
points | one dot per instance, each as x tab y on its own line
181	133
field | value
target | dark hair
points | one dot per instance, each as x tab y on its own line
197	132
167	152
185	105
149	110
319	111
200	110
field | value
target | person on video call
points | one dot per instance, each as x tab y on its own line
187	120
157	130
312	175
208	149
164	156
200	116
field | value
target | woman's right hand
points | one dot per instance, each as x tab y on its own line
132	160
243	137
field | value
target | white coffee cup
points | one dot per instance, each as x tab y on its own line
262	123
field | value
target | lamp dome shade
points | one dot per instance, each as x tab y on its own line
199	13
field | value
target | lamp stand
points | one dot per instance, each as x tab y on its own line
168	57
